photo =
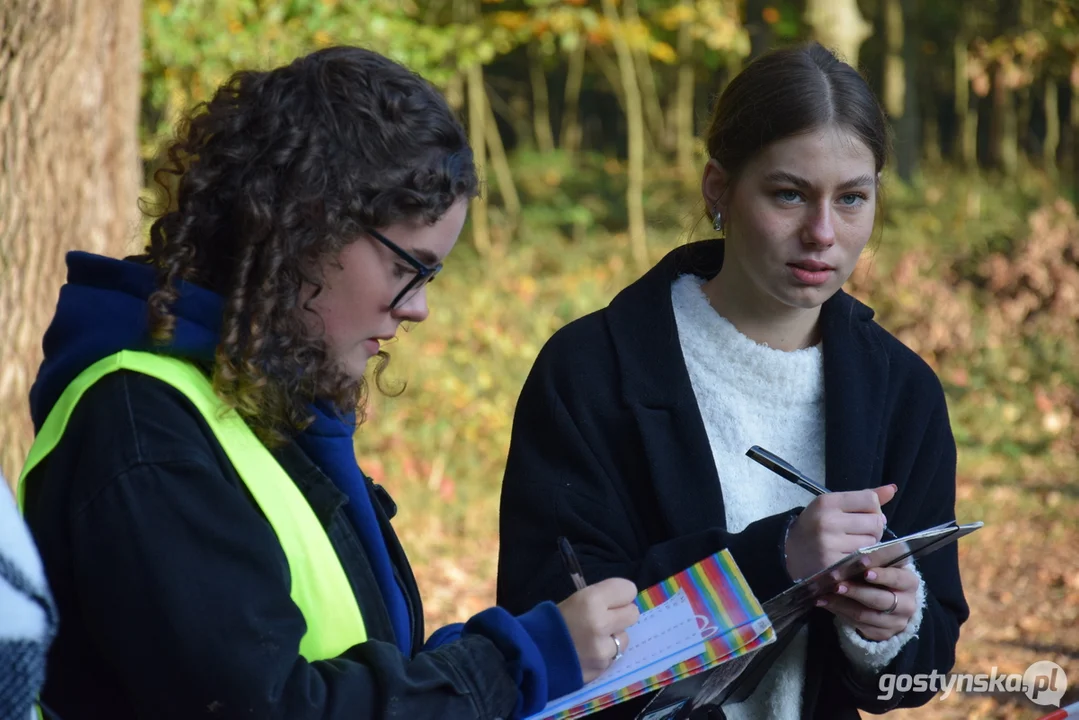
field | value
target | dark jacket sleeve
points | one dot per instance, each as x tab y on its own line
576	469
928	487
183	590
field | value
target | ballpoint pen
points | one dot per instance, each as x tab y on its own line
569	560
785	470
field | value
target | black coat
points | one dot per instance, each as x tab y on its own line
609	449
173	590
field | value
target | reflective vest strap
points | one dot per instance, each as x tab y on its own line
320	587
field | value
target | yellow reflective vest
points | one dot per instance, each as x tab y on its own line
320	587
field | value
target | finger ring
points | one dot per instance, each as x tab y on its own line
895	604
617	648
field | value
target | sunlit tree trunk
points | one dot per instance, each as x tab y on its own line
541	106
966	116
635	132
569	137
900	85
838	25
477	122
646	80
1052	126
69	171
684	102
501	167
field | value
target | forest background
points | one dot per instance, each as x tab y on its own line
587	118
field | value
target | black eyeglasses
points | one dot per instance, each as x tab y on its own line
424	274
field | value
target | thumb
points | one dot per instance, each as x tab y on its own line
885	493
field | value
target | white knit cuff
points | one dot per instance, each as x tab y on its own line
871	656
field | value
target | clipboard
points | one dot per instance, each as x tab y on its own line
789	612
728	624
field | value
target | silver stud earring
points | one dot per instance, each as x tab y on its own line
717	220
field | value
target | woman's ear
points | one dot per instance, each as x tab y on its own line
714	186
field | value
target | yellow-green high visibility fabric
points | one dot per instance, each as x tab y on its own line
319	585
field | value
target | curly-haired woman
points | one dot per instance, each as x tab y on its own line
213	548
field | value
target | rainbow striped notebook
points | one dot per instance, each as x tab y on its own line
693	621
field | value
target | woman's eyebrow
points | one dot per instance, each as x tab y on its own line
782	176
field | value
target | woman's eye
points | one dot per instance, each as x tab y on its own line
401	271
788	196
851	199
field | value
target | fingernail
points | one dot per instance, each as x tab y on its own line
870	575
841	589
893	486
822	602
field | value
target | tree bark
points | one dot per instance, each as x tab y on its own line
477	121
900	86
501	167
569	136
684	99
966	116
541	105
839	26
1052	127
646	81
69	171
635	133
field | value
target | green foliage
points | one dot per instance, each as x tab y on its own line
1011	387
192	46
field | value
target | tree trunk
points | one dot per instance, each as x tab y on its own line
541	105
1072	157
501	167
1052	127
69	171
760	32
569	136
900	87
477	121
839	26
646	79
966	116
684	103
635	132
1003	151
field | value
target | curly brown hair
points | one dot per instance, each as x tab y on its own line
271	178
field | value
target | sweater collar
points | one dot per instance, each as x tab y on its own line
653	372
645	333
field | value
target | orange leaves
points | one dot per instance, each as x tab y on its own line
511	20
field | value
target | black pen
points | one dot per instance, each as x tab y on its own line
785	470
569	560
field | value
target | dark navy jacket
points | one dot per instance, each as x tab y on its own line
609	449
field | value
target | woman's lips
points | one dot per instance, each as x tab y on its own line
811	272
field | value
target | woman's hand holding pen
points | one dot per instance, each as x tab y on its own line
833	526
597	616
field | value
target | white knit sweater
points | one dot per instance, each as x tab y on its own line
750	394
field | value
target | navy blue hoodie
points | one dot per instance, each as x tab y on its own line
103	309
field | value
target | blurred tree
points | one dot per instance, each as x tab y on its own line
900	84
838	25
635	140
69	90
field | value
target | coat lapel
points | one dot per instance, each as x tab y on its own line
855	382
657	391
